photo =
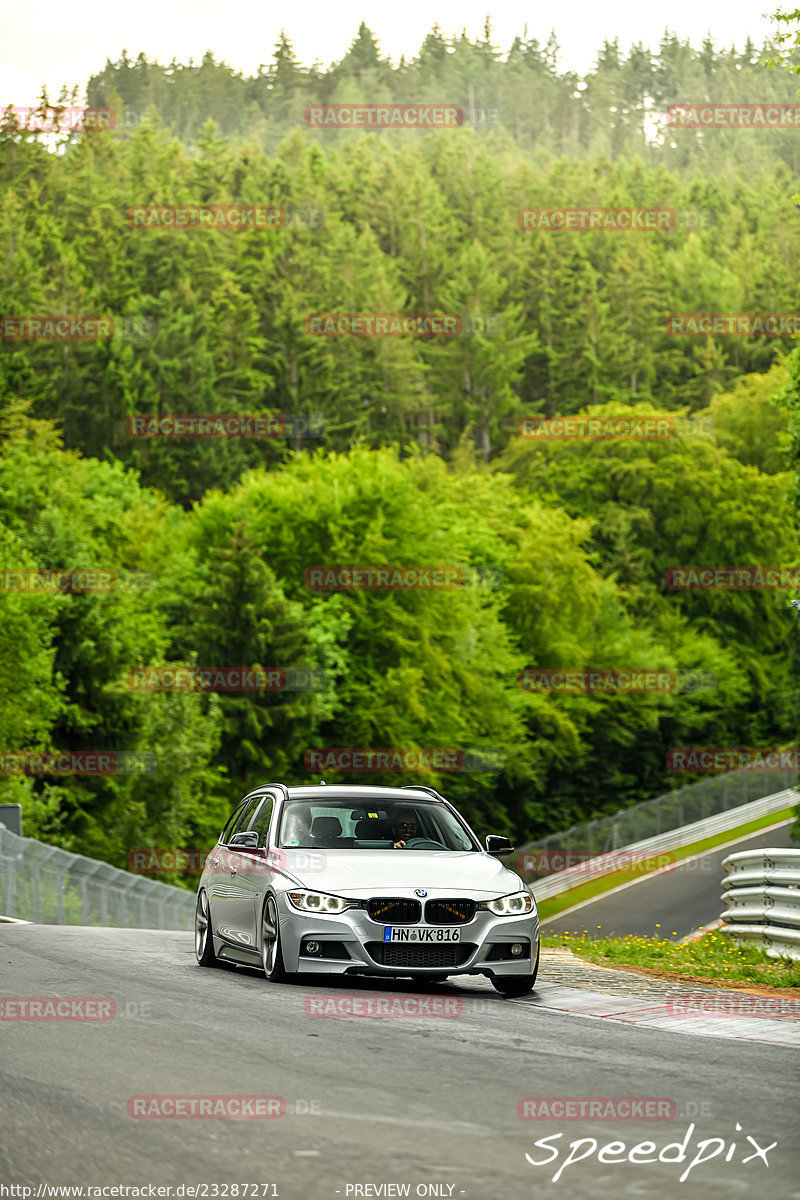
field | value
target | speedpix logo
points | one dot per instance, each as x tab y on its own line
646	1152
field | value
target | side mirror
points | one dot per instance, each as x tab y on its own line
245	841
495	844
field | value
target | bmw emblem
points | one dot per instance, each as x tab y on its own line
420	892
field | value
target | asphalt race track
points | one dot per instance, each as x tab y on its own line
428	1104
671	904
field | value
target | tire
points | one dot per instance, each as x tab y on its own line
517	985
203	934
271	951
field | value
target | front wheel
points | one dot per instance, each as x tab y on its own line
517	985
271	952
203	936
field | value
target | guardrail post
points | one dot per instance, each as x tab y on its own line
37	883
60	902
87	877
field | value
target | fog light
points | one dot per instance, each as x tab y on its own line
312	947
517	949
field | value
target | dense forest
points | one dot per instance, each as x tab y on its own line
404	450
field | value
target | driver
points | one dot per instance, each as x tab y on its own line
404	826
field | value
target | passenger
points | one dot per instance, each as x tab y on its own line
297	831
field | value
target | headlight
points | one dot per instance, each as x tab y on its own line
320	902
510	906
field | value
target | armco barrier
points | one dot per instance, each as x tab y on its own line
672	810
762	893
50	886
674	839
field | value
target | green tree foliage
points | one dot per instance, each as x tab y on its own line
417	461
216	321
66	657
679	502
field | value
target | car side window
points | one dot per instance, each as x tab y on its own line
228	830
245	815
263	818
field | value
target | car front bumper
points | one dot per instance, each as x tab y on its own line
362	938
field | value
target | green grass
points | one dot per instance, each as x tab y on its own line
712	956
604	883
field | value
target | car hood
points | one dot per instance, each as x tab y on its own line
362	873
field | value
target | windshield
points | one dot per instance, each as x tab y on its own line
328	824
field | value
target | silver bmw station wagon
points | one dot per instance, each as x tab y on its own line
363	880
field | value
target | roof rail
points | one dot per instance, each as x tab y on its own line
262	787
418	787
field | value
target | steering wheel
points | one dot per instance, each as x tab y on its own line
421	843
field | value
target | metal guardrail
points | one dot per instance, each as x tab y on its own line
684	806
762	893
50	886
662	845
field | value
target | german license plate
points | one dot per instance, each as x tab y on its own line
396	933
